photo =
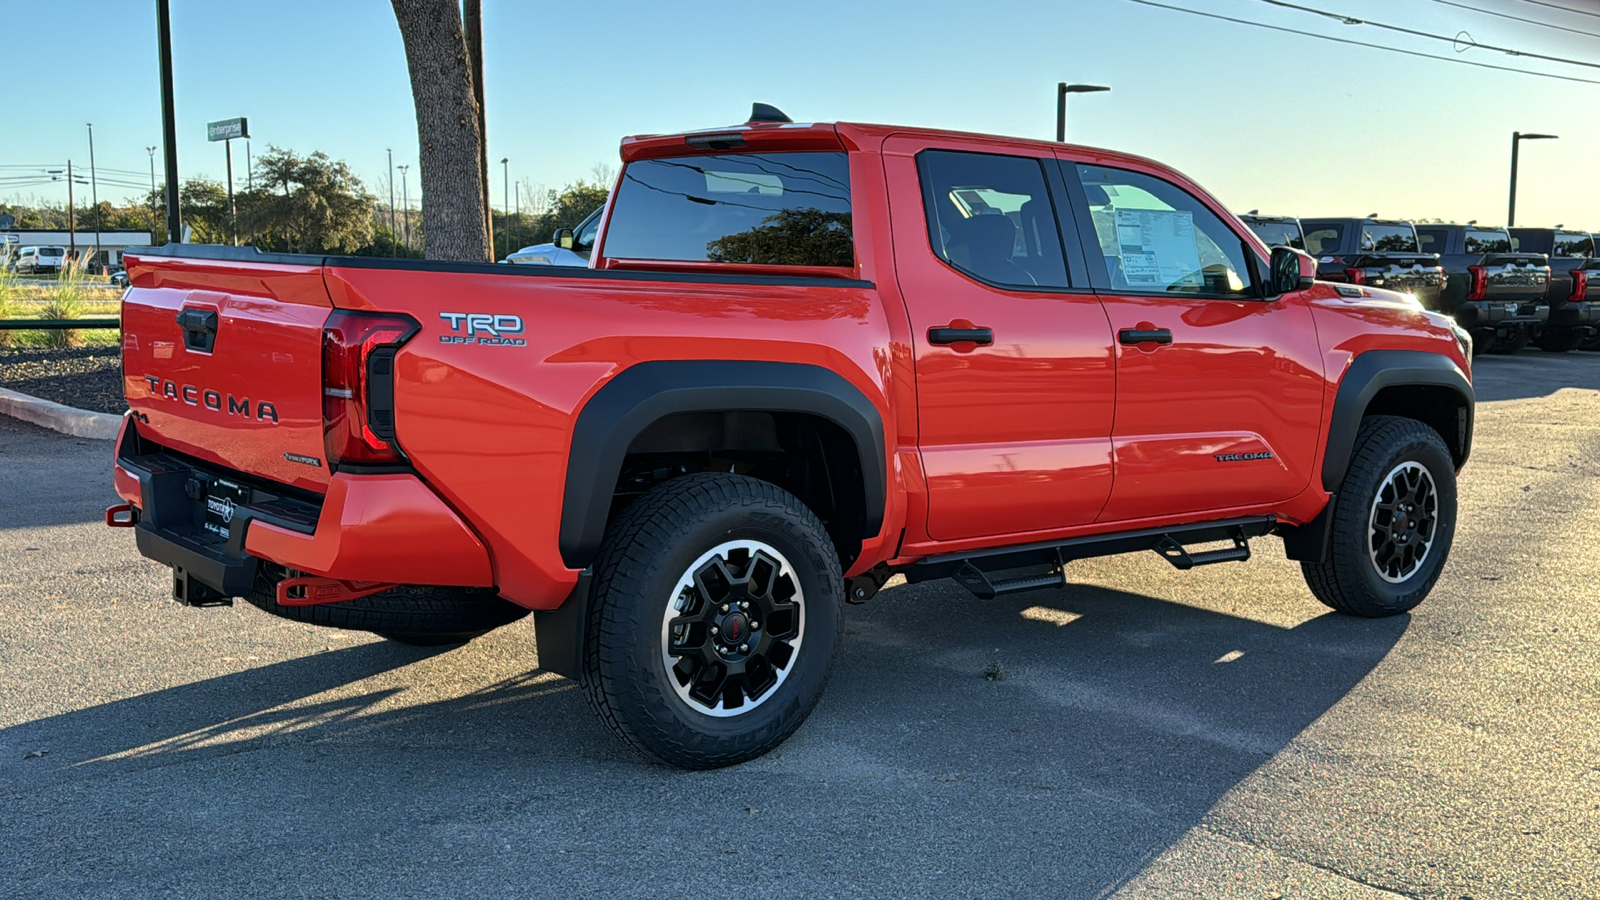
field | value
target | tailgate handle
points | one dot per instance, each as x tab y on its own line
199	329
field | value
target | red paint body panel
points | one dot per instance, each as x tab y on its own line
389	524
1056	430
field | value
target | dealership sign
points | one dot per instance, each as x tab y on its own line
228	129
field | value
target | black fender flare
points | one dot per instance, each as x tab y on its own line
1370	373
644	393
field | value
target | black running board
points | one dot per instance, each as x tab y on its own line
977	571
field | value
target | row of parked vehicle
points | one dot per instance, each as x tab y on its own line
1508	287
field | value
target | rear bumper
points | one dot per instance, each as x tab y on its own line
1582	314
378	528
1479	314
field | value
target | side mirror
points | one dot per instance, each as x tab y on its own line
1292	270
562	238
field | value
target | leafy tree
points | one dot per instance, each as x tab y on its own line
305	204
790	237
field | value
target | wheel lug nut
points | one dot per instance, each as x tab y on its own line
724	607
744	605
744	648
713	629
755	626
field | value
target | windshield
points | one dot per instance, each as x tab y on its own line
779	209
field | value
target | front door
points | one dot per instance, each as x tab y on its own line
1219	391
1014	365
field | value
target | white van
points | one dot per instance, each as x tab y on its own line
33	260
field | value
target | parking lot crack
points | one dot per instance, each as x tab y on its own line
1321	867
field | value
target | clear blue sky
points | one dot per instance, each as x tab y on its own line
1276	121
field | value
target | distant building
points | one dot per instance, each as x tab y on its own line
112	242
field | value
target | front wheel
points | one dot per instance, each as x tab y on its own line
1394	519
715	612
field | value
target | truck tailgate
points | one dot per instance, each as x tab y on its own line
1514	277
222	360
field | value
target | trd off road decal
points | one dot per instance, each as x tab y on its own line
483	329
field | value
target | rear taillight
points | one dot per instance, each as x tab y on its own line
358	351
1479	285
1580	286
1356	276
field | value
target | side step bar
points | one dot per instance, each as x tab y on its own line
976	571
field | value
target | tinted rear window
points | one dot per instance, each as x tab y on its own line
776	209
52	251
1488	240
1388	238
1279	234
1573	243
1432	240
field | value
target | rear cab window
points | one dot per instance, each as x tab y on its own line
1571	244
766	209
1488	240
1380	238
1324	238
1433	240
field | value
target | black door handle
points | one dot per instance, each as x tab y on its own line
957	335
1141	336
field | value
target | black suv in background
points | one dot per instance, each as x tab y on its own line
1574	273
1377	252
1494	292
1276	231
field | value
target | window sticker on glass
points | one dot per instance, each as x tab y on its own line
1158	248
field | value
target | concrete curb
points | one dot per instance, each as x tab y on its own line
56	417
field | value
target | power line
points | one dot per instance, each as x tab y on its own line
1490	12
1324	37
1352	20
1581	12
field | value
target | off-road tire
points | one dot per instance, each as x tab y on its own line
1348	580
419	615
647	549
1563	341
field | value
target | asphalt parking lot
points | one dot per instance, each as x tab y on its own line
1156	734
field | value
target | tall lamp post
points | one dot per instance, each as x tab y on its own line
1062	90
405	200
94	196
1517	137
394	234
505	197
152	152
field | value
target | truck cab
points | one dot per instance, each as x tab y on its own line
1379	252
1574	271
1495	291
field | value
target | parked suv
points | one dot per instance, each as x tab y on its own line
1275	231
807	357
1494	291
1379	252
36	260
1574	295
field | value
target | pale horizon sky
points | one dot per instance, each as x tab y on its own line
1284	123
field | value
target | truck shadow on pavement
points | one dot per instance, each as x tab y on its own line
1529	374
1051	743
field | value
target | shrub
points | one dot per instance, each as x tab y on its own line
66	303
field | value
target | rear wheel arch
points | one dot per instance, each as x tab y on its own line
810	415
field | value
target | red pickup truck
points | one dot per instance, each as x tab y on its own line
805	357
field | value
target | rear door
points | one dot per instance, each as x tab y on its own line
222	360
1219	392
1015	379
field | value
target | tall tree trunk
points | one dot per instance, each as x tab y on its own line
453	213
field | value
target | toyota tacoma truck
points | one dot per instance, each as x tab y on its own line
1495	292
1574	268
1377	252
804	358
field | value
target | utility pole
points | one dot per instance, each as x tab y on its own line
169	120
152	152
394	234
94	194
1516	137
405	199
1062	90
505	197
72	221
249	168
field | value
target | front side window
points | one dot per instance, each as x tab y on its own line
1156	237
773	209
583	241
1487	240
990	217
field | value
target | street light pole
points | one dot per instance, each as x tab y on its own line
394	233
1062	90
405	200
94	194
1516	137
169	121
505	198
152	152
